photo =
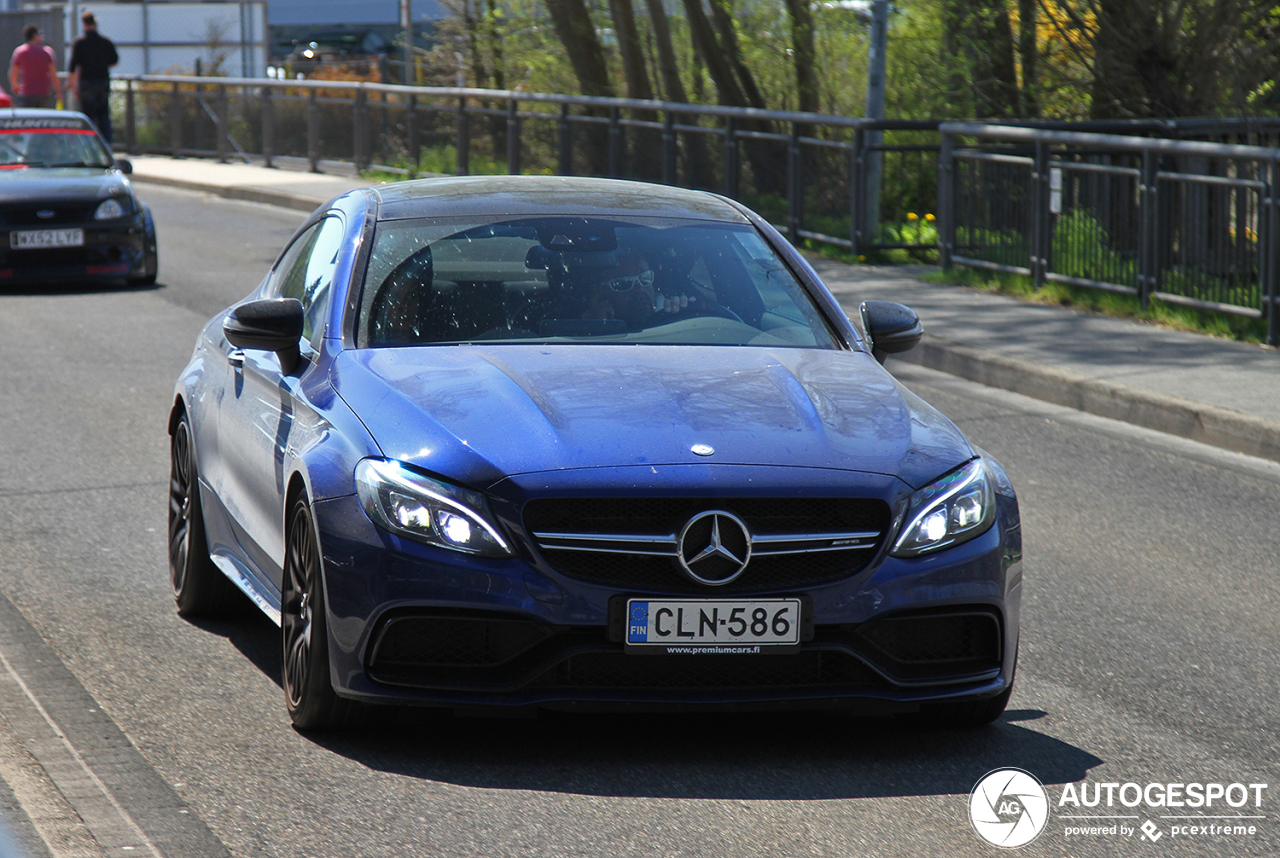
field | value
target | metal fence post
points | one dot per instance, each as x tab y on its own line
565	165
1040	214
513	137
1269	252
795	185
175	122
731	158
415	136
313	130
856	204
669	152
463	166
222	130
268	126
1147	230
130	119
359	129
615	142
946	199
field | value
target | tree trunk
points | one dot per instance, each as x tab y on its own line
1028	57
646	144
805	55
981	38
577	33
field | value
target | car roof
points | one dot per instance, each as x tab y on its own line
36	118
489	196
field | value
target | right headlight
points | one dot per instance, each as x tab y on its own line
410	503
952	510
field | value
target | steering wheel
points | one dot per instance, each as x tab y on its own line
697	307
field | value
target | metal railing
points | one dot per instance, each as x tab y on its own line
1189	223
804	171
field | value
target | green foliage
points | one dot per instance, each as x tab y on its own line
1225	325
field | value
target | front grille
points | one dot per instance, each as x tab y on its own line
25	215
926	646
630	543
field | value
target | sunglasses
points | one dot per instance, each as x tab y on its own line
628	282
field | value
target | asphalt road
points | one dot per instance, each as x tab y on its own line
1149	649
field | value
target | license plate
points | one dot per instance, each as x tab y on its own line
31	238
731	625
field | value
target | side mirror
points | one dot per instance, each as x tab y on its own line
272	325
124	165
891	328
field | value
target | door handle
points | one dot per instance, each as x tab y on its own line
236	359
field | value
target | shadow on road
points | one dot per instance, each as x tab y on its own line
794	756
747	756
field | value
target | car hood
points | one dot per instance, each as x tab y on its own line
477	414
62	183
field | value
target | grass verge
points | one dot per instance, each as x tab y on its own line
1157	312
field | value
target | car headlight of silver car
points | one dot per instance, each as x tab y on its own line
952	510
411	504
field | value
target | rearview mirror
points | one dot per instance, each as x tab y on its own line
891	328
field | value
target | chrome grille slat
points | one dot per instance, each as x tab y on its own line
633	543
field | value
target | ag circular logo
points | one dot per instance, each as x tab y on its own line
1009	808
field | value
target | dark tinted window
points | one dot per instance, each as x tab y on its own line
569	280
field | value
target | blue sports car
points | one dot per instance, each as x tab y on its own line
549	442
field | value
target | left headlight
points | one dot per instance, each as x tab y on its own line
109	209
412	504
954	509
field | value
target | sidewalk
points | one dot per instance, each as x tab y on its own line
1219	392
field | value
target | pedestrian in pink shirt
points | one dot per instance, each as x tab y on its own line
33	71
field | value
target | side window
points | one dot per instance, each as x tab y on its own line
306	273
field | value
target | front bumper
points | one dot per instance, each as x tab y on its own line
113	251
413	624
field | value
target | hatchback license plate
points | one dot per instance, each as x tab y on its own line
684	625
34	238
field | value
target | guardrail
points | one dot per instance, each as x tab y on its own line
1189	223
804	171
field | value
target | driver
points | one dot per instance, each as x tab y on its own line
628	292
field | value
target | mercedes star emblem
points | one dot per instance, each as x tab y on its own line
714	547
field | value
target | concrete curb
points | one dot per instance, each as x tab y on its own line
248	193
1208	424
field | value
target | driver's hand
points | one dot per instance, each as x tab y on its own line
675	305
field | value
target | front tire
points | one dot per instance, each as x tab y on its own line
309	694
199	587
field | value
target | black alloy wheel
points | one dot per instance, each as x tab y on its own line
309	694
199	587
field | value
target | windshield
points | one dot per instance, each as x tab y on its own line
570	280
64	147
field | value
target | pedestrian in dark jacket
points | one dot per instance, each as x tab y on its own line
92	55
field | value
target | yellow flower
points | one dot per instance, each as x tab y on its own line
930	218
912	216
862	259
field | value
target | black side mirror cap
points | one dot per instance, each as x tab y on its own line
273	325
891	328
124	165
